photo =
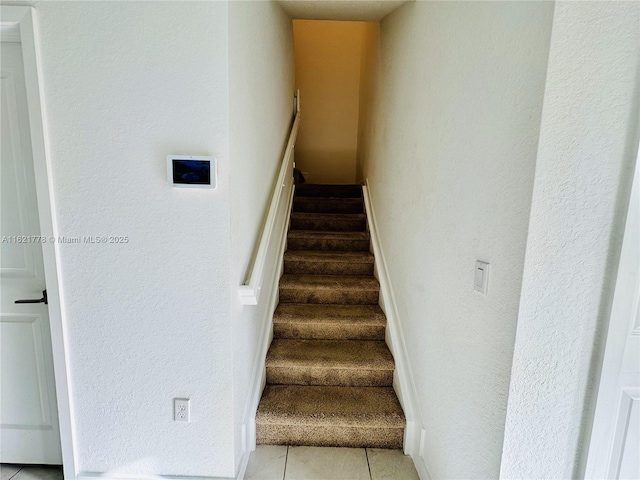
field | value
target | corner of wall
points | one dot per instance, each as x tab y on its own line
261	82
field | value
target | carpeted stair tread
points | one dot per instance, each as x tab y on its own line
328	191
374	355
338	235
331	322
329	281
329	362
328	241
328	263
329	222
330	405
323	256
330	416
328	205
336	289
329	314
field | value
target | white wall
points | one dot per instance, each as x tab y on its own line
261	93
449	150
588	145
369	65
125	84
327	71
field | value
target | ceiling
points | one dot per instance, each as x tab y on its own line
362	10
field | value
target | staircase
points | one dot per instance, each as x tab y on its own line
329	371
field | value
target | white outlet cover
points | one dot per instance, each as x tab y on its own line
181	410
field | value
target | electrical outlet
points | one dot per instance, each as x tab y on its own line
181	409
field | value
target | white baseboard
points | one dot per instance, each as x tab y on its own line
115	476
419	460
243	464
403	382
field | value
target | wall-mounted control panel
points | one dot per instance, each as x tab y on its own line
481	277
189	171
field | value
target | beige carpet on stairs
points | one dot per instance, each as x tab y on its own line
329	370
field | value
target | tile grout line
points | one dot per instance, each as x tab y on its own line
366	454
19	470
286	458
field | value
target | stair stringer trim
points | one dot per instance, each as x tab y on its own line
403	379
259	373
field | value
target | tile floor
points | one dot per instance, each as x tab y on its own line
286	463
322	463
35	472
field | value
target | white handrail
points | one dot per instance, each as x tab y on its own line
250	290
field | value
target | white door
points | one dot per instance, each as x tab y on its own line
614	451
29	430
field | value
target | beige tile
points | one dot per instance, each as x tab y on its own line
326	463
267	463
39	473
390	465
8	470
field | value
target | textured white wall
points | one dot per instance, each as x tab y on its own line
588	143
125	84
369	64
261	109
449	151
327	71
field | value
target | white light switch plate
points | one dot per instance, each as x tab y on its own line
481	277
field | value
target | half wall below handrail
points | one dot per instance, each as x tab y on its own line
280	200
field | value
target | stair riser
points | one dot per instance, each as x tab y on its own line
312	205
337	245
328	268
329	436
343	377
328	332
338	296
329	225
